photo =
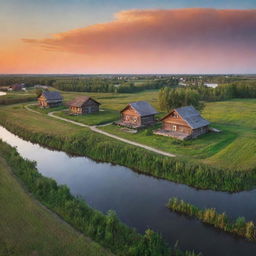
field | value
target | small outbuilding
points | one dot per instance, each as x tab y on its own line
49	99
83	105
16	87
137	115
183	123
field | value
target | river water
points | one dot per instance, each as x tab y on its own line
139	200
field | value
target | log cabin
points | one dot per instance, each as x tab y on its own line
137	115
183	123
83	105
49	99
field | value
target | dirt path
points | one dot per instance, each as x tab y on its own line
95	129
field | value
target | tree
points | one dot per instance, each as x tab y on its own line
174	98
38	92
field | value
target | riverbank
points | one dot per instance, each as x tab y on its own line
43	233
139	199
222	221
104	229
82	141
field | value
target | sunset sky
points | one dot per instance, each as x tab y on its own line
96	36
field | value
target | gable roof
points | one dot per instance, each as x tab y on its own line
52	95
191	116
142	107
80	100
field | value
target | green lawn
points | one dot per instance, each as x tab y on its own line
34	122
116	101
47	110
233	148
27	228
102	117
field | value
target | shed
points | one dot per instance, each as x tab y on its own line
183	123
50	99
138	114
83	105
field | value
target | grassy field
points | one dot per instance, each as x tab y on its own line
102	117
233	148
46	110
27	228
116	101
42	123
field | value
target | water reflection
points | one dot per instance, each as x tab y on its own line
139	200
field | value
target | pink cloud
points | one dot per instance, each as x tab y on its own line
180	38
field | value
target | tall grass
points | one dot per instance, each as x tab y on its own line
107	230
218	220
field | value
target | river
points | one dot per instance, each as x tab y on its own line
139	200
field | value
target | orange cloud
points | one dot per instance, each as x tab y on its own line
163	41
154	29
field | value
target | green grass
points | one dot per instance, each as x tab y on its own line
102	117
47	110
233	148
117	101
27	228
41	123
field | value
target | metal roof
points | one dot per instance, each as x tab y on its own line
52	95
143	108
192	117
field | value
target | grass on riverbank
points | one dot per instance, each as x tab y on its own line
210	216
27	228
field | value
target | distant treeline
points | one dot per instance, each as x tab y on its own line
107	229
92	83
27	80
110	85
242	89
102	148
170	98
218	220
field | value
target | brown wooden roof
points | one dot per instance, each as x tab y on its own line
79	101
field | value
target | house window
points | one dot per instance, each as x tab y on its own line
174	128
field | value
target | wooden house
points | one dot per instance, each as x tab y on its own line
137	114
50	99
83	105
183	123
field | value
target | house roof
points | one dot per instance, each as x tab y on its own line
52	95
17	86
80	100
191	116
143	108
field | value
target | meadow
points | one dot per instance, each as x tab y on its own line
233	148
30	229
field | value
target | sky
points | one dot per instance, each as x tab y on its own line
146	36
